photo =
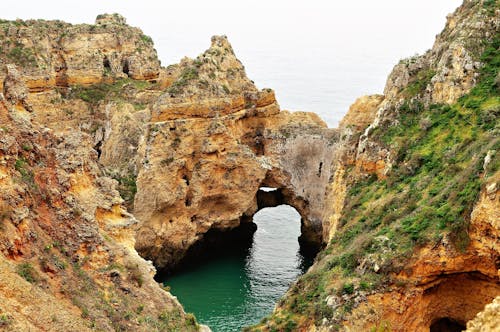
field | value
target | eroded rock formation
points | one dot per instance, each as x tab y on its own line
67	243
414	238
212	142
192	144
55	53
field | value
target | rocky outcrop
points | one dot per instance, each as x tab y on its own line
441	285
403	195
54	53
413	238
204	129
212	142
487	320
441	75
67	243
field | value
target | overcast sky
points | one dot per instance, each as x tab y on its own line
276	37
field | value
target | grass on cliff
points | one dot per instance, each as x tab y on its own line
127	187
95	93
187	75
28	272
429	194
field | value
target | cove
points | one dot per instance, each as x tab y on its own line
238	284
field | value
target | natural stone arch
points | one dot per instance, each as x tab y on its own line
200	180
204	161
310	231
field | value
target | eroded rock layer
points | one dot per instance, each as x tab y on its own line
413	238
403	195
67	258
55	53
212	142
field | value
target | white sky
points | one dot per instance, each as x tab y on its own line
276	36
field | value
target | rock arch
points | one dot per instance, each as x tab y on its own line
212	144
227	159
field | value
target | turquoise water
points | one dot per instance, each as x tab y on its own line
241	286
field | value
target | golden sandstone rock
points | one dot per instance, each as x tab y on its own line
191	145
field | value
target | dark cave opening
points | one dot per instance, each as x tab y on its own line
107	65
215	243
447	324
125	66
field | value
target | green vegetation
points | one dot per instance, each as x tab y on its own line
127	187
419	83
187	75
146	39
491	6
28	272
348	288
27	175
429	193
22	56
95	93
173	321
5	320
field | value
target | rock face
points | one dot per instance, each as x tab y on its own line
402	196
413	232
440	76
67	253
487	320
212	142
193	146
441	283
54	53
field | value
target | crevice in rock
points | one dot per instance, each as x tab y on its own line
106	64
319	168
61	69
98	148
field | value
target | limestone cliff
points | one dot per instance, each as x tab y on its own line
402	196
57	54
67	258
212	142
196	144
190	147
414	235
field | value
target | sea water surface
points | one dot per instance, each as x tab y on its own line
241	286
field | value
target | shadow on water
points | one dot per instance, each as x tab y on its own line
233	279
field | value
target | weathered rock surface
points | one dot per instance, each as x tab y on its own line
191	145
366	278
67	258
487	320
212	142
440	76
54	53
440	281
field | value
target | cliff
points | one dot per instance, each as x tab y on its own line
414	243
213	140
104	152
52	54
192	147
189	147
67	258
